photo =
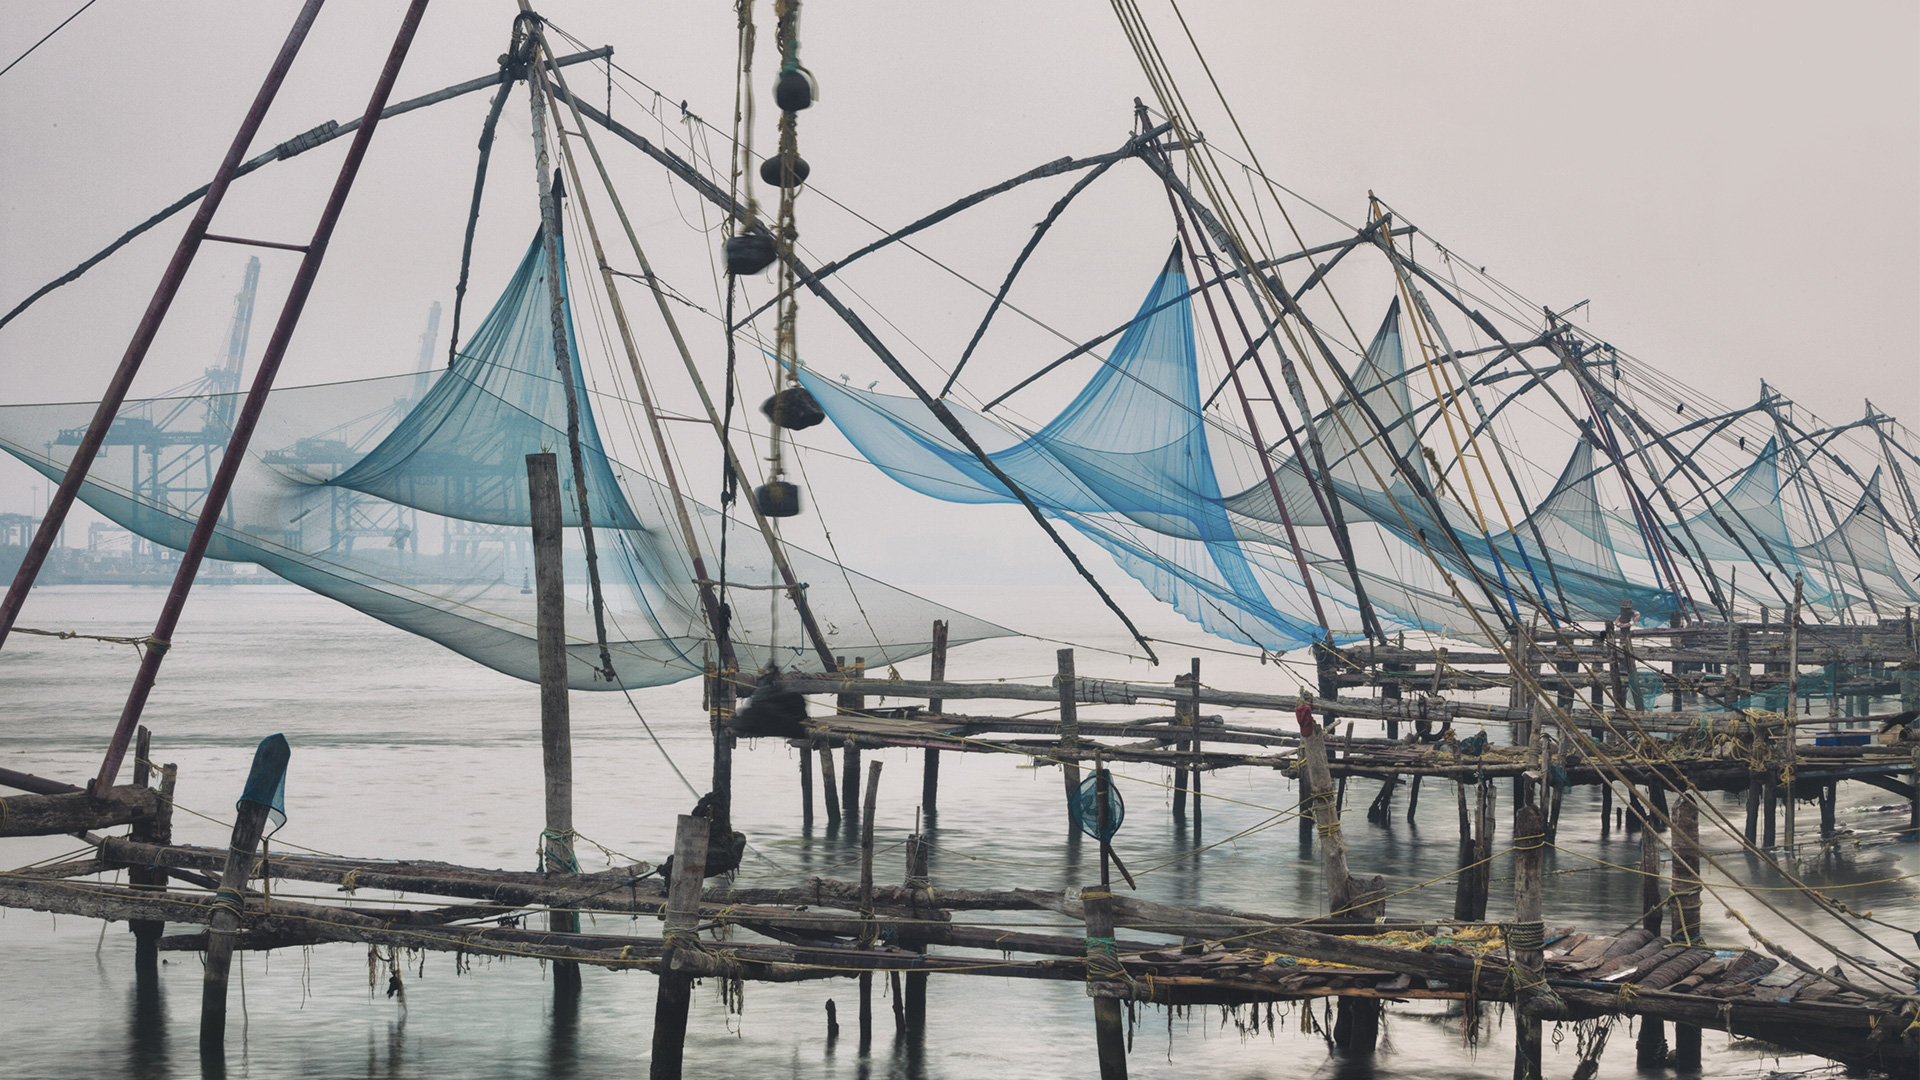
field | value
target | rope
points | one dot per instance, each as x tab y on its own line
1526	936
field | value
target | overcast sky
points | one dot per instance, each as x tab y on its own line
1733	186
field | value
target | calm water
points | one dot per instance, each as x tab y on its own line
404	750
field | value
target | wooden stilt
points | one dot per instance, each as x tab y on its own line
1193	719
1753	806
1180	720
1483	849
1069	730
1650	901
1788	748
806	787
556	727
919	880
677	969
936	672
1413	798
851	705
1527	937
146	932
1463	885
829	796
870	932
1606	811
1096	904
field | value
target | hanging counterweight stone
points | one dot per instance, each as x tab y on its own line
749	253
777	499
794	409
793	91
771	171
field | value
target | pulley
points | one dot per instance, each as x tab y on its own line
772	172
793	408
777	499
794	90
749	253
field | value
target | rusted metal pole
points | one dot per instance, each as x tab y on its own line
236	450
143	335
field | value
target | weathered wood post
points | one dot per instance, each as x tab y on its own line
806	786
1069	731
829	794
679	959
851	705
918	880
936	672
1193	721
1788	741
1686	913
1650	1046
1103	962
264	783
1181	720
556	735
1913	803
1357	1026
1527	937
869	929
146	932
1463	885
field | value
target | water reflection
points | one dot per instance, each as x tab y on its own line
147	1028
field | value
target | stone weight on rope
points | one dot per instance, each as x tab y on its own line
794	90
749	253
775	171
794	408
777	499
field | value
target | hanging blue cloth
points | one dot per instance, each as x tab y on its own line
267	780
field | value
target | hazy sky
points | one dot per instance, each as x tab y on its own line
1733	185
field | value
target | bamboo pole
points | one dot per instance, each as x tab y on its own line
677	969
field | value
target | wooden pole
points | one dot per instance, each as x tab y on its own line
1069	729
870	931
830	797
1193	718
1180	771
1686	914
1097	906
677	970
806	787
1527	937
851	705
936	672
1650	901
1788	749
556	727
146	932
918	880
1463	885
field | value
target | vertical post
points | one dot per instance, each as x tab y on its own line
556	726
1463	885
1193	718
677	967
1102	956
919	879
829	796
1180	720
1068	686
264	780
854	704
869	930
1483	850
1650	902
1788	747
146	932
1527	938
806	786
936	672
1686	871
1913	803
